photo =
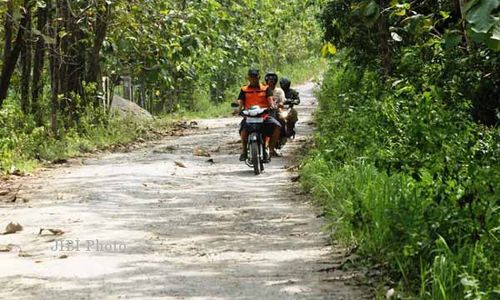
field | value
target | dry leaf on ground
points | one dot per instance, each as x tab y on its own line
6	248
179	164
12	228
53	231
201	152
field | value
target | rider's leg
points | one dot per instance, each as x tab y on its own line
291	130
283	122
283	128
293	115
244	141
292	118
274	139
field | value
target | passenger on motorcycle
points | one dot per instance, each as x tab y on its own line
292	98
279	99
258	94
278	94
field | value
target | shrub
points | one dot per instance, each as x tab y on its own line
410	180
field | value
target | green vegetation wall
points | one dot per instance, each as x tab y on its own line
408	159
183	48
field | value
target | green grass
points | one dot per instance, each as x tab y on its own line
410	182
303	71
26	149
204	109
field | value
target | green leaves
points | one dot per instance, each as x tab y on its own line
371	9
170	46
40	4
493	41
444	14
495	33
401	9
328	49
479	15
483	23
407	174
452	39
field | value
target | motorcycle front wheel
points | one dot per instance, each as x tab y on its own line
254	152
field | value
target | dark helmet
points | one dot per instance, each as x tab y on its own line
253	72
285	83
271	75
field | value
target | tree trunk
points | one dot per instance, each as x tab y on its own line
71	63
461	4
8	29
55	69
39	57
10	61
26	59
101	26
384	49
62	55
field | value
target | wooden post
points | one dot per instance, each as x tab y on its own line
127	88
107	98
142	91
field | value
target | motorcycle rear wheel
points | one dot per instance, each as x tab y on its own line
263	157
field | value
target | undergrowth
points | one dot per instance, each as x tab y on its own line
409	180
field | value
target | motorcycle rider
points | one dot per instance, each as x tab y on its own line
292	96
271	79
259	94
278	94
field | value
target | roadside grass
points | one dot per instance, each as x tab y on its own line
409	182
304	71
26	149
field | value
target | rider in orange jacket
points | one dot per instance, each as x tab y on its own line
252	94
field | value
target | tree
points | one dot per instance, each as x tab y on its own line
39	59
12	52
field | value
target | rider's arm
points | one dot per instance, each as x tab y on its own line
270	99
295	97
280	98
241	100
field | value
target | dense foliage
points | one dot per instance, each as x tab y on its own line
187	50
408	145
180	55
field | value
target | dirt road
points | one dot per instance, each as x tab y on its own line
148	228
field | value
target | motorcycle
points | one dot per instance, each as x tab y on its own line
290	114
287	118
256	154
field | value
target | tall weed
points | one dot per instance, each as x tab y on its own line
410	180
